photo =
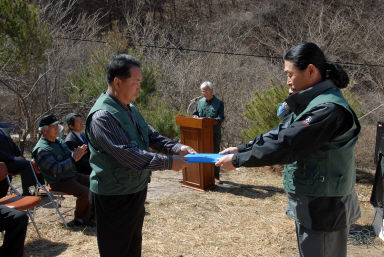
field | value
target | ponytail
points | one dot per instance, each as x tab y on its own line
309	53
337	75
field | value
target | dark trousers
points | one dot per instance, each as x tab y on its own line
216	149
119	221
79	187
314	243
3	187
23	168
14	223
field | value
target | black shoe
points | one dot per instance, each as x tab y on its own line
83	223
26	193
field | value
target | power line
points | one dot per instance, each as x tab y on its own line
210	52
374	109
217	52
83	40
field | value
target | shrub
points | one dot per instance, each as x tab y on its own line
262	110
161	116
89	81
263	107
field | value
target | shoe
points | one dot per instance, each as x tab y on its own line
218	181
83	223
26	193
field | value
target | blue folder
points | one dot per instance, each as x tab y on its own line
203	157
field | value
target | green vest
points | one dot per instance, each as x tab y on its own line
108	176
330	171
210	111
61	152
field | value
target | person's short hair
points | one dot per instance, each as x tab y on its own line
206	84
48	120
70	118
45	127
120	66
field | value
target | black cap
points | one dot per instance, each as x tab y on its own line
48	120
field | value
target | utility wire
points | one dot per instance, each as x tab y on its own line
228	53
371	111
216	52
210	52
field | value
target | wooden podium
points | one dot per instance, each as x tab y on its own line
198	133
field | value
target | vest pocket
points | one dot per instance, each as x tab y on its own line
306	173
124	176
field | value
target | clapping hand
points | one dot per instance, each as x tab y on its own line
79	152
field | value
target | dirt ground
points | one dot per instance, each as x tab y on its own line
243	217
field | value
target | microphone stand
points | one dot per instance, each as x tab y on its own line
194	100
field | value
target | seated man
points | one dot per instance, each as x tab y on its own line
76	138
16	164
57	164
14	223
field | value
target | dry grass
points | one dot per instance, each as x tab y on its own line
245	217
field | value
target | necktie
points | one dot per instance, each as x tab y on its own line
83	138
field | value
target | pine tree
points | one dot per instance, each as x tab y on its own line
24	40
263	107
262	110
89	81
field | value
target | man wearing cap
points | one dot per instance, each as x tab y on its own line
121	161
76	138
211	107
57	164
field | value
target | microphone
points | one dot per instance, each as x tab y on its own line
194	100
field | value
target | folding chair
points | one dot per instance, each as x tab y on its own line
47	189
18	202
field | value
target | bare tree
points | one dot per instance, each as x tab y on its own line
40	89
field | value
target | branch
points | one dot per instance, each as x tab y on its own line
11	89
57	106
34	85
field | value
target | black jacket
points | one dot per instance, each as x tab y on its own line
8	149
377	196
288	143
82	166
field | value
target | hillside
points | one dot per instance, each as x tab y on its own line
165	32
238	45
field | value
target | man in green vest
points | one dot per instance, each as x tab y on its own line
211	107
316	143
119	139
58	165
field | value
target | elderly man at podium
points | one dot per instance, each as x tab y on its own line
119	139
212	107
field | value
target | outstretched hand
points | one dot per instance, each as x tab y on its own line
225	162
185	149
179	162
230	150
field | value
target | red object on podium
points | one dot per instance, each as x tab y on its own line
198	133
